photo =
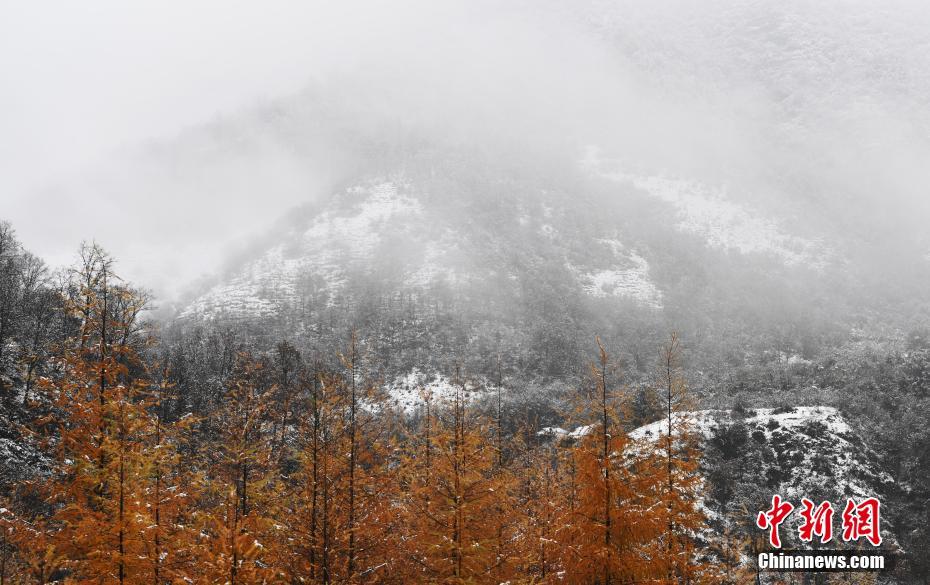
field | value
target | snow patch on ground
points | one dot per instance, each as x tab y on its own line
358	233
703	422
823	448
628	276
560	433
408	393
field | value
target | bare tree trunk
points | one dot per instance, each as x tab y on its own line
352	460
605	422
159	413
234	565
122	512
324	569
457	449
668	364
500	466
315	481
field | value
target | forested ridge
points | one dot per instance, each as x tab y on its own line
140	455
301	472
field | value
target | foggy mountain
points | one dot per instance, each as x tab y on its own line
471	254
685	177
811	118
565	231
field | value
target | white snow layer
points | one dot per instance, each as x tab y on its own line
408	393
709	213
628	277
848	472
331	243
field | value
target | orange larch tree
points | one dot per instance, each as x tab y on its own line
97	430
232	518
335	510
453	496
682	483
604	539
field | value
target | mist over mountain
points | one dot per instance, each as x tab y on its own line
476	181
352	239
810	116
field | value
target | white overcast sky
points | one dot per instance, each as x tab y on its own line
83	82
87	88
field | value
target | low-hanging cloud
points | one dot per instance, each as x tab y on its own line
174	132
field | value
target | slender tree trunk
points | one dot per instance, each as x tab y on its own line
157	568
103	375
572	497
30	367
122	514
428	451
457	447
2	333
245	489
324	569
233	545
500	467
605	421
284	416
278	443
325	429
352	462
668	453
33	360
500	418
156	573
315	481
548	521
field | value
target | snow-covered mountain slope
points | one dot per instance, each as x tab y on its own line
802	452
710	214
446	249
627	277
319	258
747	457
390	234
814	447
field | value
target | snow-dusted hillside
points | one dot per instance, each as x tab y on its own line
349	235
814	449
710	214
627	277
409	393
383	230
802	452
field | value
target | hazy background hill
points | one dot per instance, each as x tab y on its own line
804	125
468	256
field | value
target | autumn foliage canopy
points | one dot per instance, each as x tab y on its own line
307	474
